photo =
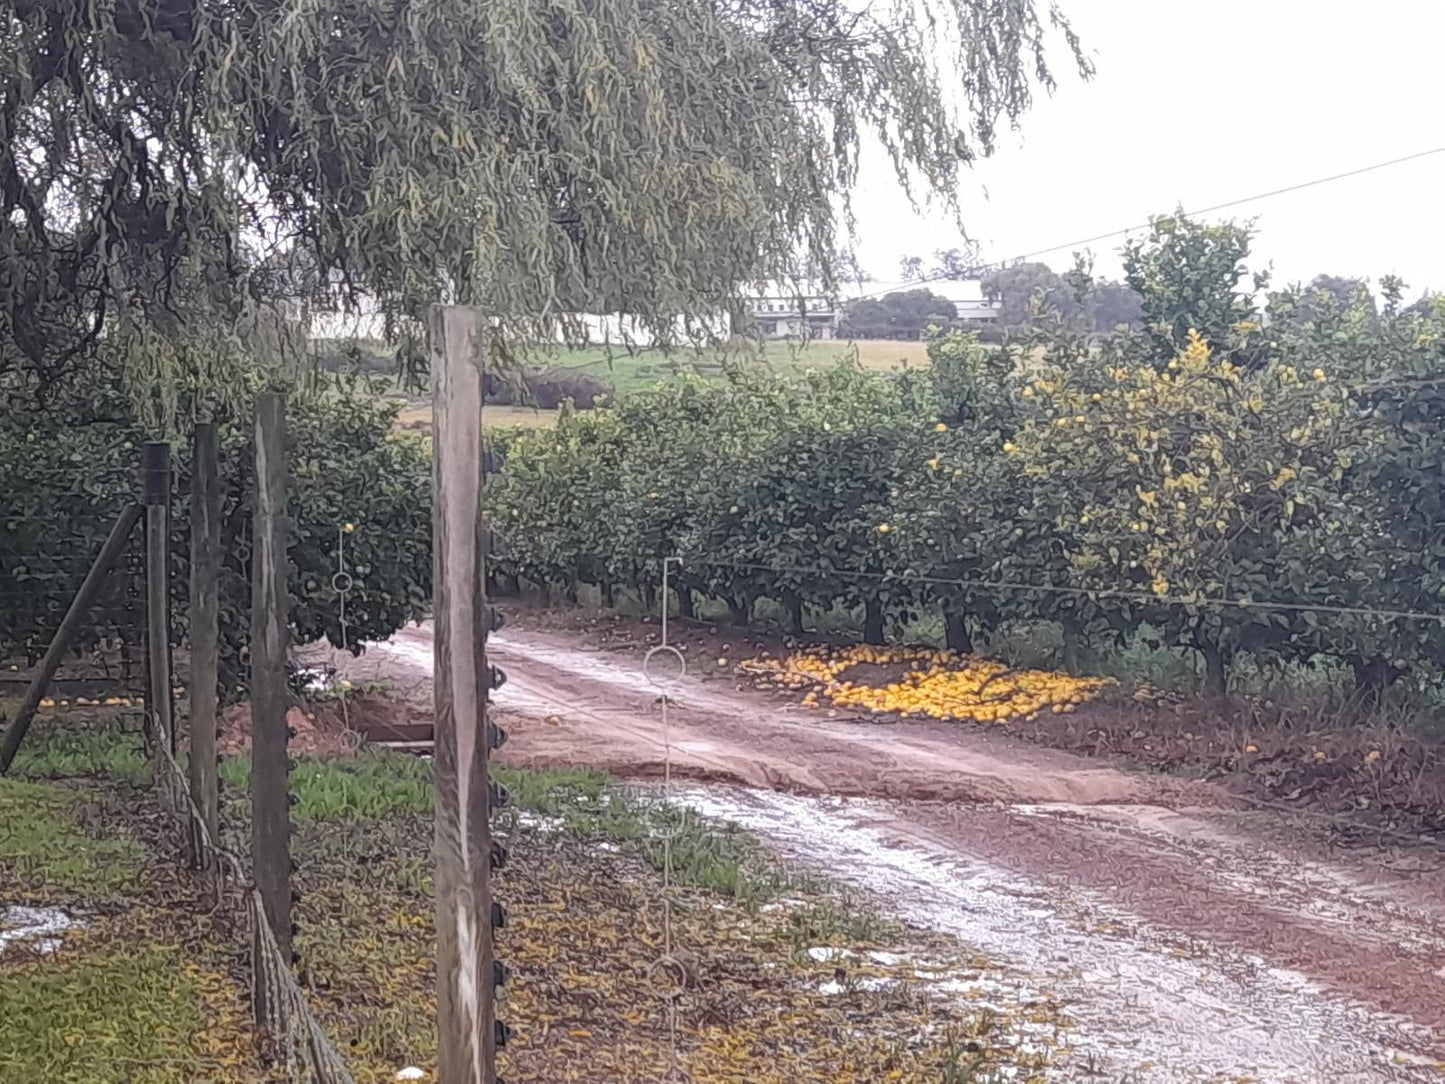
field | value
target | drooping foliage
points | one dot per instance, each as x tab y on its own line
170	170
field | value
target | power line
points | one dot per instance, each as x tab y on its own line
1247	199
1198	211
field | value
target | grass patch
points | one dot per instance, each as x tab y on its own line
557	793
365	787
625	372
720	858
51	752
117	1014
41	842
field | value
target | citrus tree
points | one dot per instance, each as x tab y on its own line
1202	482
72	474
552	506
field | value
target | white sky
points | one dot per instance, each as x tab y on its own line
1203	101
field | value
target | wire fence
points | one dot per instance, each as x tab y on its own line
46	555
304	1048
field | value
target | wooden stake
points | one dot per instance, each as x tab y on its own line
204	631
466	1048
70	625
156	495
270	809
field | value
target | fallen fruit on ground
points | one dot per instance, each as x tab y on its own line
925	682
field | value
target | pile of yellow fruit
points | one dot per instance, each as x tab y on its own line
934	684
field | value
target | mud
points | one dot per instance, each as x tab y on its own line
1188	944
572	707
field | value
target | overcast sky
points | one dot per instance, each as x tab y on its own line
1197	102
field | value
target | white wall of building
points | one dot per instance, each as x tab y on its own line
616	329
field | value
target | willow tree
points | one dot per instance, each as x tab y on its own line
159	158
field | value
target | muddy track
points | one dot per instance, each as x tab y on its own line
1188	947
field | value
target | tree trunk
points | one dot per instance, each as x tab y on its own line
685	607
793	604
1216	677
649	598
1373	676
955	630
741	610
1073	638
609	593
873	622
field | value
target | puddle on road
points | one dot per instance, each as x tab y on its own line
1140	1008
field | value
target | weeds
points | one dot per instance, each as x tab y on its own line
839	918
123	1014
108	751
41	842
365	787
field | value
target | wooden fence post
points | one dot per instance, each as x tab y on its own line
70	624
270	809
204	632
156	496
466	1043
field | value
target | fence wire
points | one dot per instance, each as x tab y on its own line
307	1052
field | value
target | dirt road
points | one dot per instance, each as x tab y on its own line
1187	944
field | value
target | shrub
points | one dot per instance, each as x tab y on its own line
67	482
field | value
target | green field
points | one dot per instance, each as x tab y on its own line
624	371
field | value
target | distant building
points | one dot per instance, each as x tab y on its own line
775	312
968	299
365	322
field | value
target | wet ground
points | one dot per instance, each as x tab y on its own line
1189	942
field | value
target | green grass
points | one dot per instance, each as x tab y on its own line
369	786
374	785
625	372
42	842
52	752
116	1014
721	858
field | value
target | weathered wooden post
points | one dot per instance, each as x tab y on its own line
270	808
156	496
204	631
468	1033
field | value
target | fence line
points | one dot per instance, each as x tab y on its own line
1082	592
309	1054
